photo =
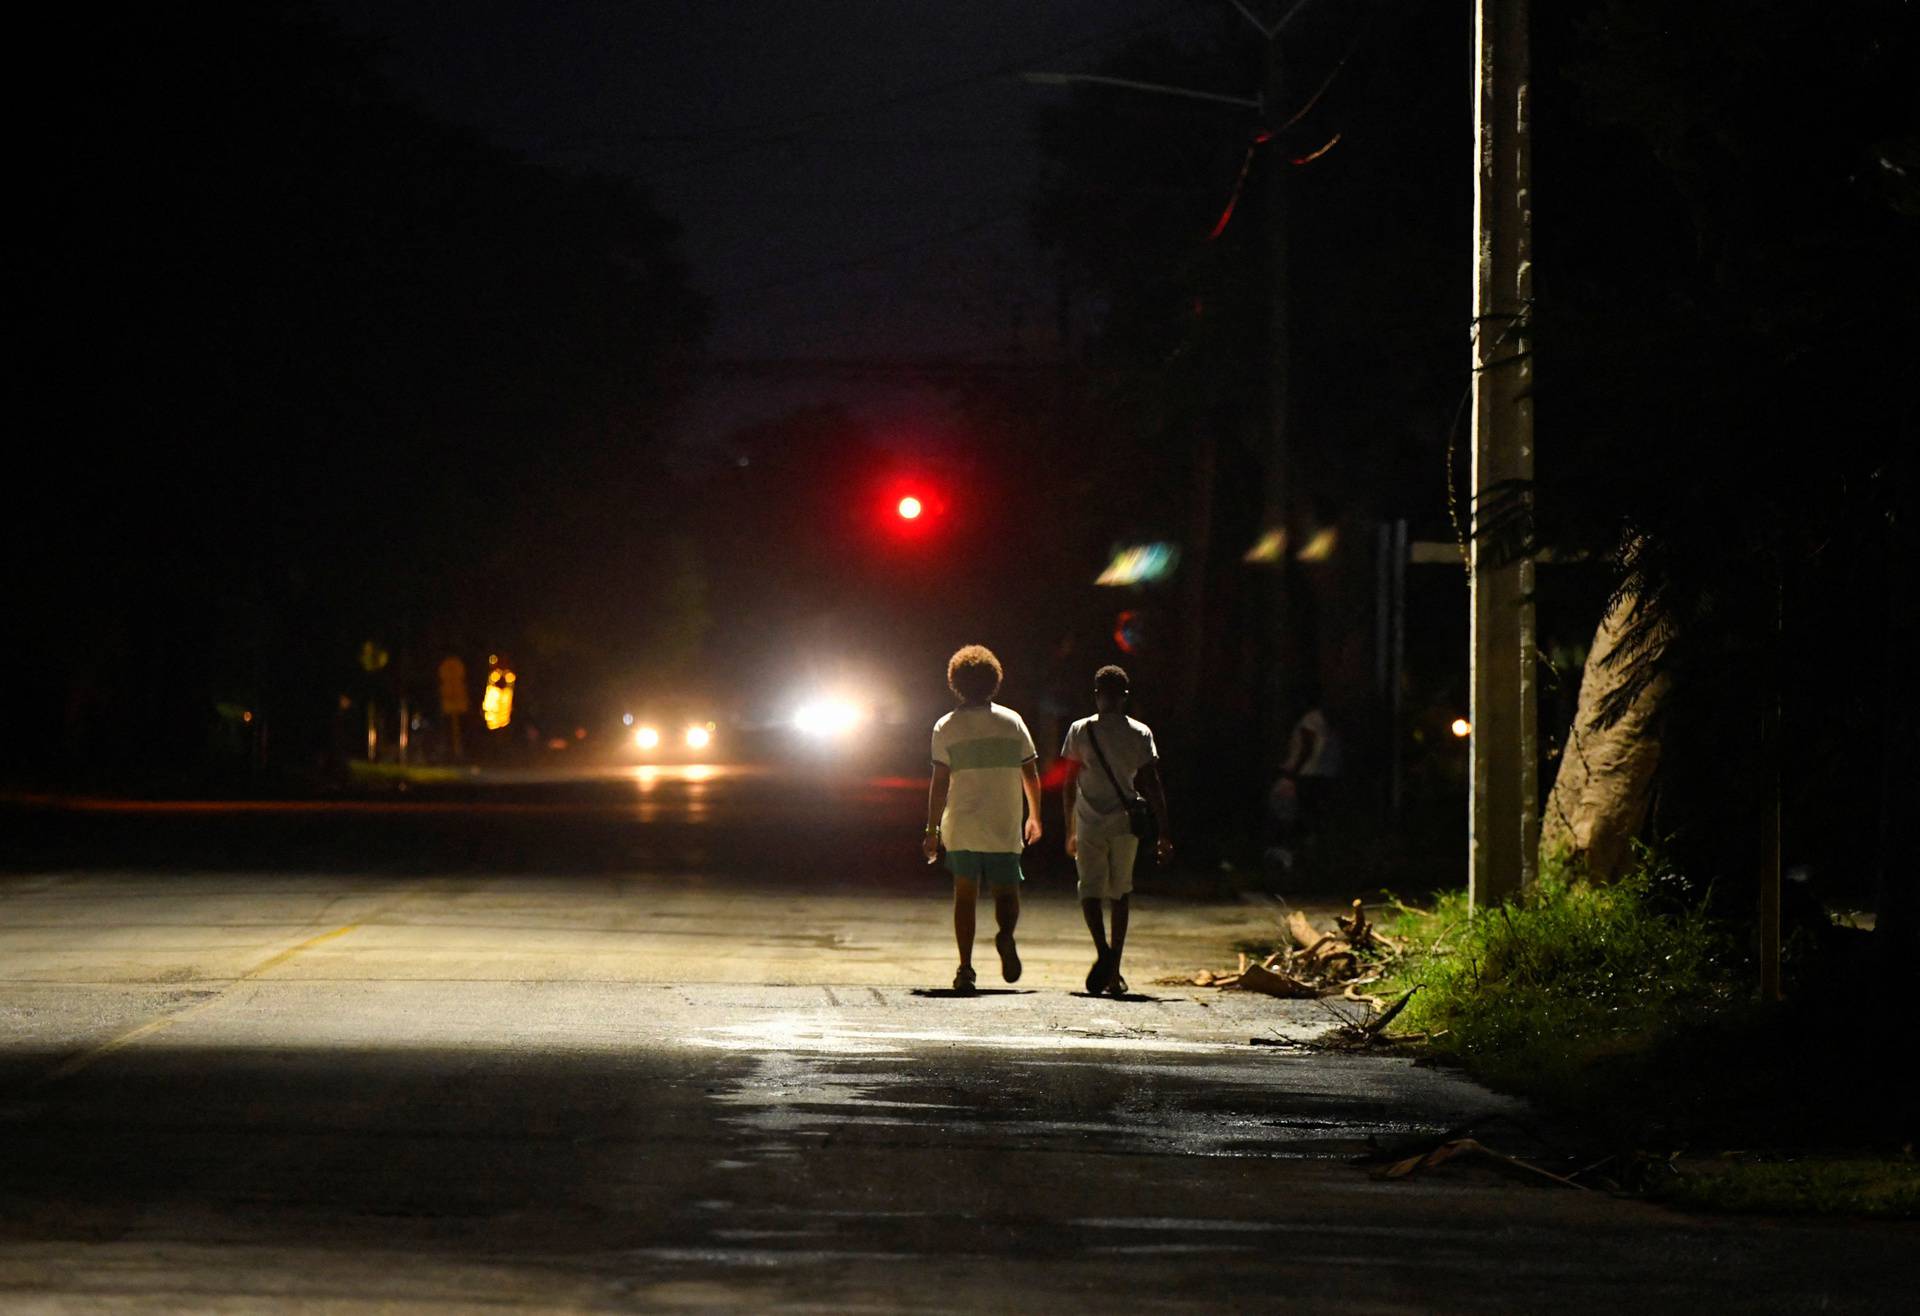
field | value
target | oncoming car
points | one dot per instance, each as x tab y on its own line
678	733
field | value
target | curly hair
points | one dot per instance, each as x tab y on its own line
973	673
1112	678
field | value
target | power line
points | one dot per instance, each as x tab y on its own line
877	367
775	132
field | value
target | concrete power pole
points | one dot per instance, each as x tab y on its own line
1505	809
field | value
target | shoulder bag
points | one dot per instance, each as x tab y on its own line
1140	819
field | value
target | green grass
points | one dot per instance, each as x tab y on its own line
1627	1011
1531	995
412	773
1840	1186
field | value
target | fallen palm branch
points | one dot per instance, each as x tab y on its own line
1319	962
1447	1151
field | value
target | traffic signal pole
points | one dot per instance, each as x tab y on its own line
1504	842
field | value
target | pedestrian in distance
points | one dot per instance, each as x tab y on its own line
1111	763
1306	792
984	772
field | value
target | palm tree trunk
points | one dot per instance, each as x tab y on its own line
1605	781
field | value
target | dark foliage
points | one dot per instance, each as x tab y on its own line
309	368
1726	319
1369	145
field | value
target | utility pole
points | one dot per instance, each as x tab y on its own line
1503	847
1284	649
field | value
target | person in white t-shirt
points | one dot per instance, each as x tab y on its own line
1310	774
1111	759
985	772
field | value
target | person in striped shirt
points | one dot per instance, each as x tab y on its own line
983	806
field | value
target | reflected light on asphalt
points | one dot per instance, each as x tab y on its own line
833	1035
699	807
694	806
647	775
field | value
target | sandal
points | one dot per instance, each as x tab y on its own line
963	980
1116	986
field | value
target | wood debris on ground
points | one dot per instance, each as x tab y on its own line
1336	961
1456	1147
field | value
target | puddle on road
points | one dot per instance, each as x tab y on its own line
788	1094
808	1090
833	1036
813	1078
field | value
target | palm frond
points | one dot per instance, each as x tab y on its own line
1503	522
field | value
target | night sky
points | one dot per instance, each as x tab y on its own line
852	179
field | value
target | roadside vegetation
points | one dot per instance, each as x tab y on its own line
1533	993
1627	1013
361	772
1796	1185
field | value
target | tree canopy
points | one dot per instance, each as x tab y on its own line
313	367
1726	319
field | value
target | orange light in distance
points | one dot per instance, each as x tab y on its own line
910	508
1461	728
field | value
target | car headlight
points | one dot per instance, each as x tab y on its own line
698	737
647	738
826	718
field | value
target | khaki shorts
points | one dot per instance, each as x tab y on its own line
1106	865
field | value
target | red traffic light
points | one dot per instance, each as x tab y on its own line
911	508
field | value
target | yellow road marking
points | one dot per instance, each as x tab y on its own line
75	1063
276	961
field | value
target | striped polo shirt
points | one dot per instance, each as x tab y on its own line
985	748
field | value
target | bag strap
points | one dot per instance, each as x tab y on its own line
1125	796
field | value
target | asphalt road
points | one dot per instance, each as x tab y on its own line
683	1043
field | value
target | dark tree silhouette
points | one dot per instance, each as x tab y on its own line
310	368
1726	323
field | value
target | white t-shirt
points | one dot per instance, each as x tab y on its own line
1323	760
1129	747
985	748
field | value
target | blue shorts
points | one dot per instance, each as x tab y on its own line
987	867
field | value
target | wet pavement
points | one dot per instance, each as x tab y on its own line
303	1087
